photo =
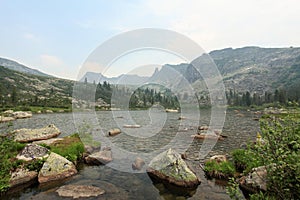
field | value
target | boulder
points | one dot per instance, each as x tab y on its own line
169	167
55	168
256	180
21	177
79	191
138	164
21	115
6	119
29	135
33	151
102	157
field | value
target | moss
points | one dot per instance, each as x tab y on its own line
8	151
222	170
70	147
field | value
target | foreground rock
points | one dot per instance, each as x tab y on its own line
79	191
256	180
21	177
21	115
33	151
29	135
55	168
101	157
171	168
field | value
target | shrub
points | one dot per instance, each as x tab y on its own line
222	170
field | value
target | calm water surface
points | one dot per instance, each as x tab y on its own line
157	130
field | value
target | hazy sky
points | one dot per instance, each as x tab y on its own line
56	37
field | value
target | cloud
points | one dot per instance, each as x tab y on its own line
30	36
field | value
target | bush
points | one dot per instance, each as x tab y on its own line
222	170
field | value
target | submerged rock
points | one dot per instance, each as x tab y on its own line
33	151
79	191
101	157
29	135
21	177
138	164
171	168
56	167
255	180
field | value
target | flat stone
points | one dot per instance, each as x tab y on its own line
171	168
6	119
55	168
21	115
33	151
79	191
21	177
48	142
29	135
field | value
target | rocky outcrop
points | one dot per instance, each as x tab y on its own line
79	191
33	151
256	180
21	177
29	135
102	157
171	168
55	168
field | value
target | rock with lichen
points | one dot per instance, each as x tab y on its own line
171	168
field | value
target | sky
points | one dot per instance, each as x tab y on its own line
56	37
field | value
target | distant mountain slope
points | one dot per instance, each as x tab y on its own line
129	79
251	69
13	65
32	88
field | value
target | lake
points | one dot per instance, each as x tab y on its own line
159	130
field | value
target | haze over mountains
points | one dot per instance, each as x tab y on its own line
252	69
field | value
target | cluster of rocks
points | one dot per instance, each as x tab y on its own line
55	166
10	115
204	132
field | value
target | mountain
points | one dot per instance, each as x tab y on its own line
33	89
128	79
13	65
252	69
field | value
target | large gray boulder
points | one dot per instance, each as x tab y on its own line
79	191
29	135
33	151
21	177
55	168
171	168
256	180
